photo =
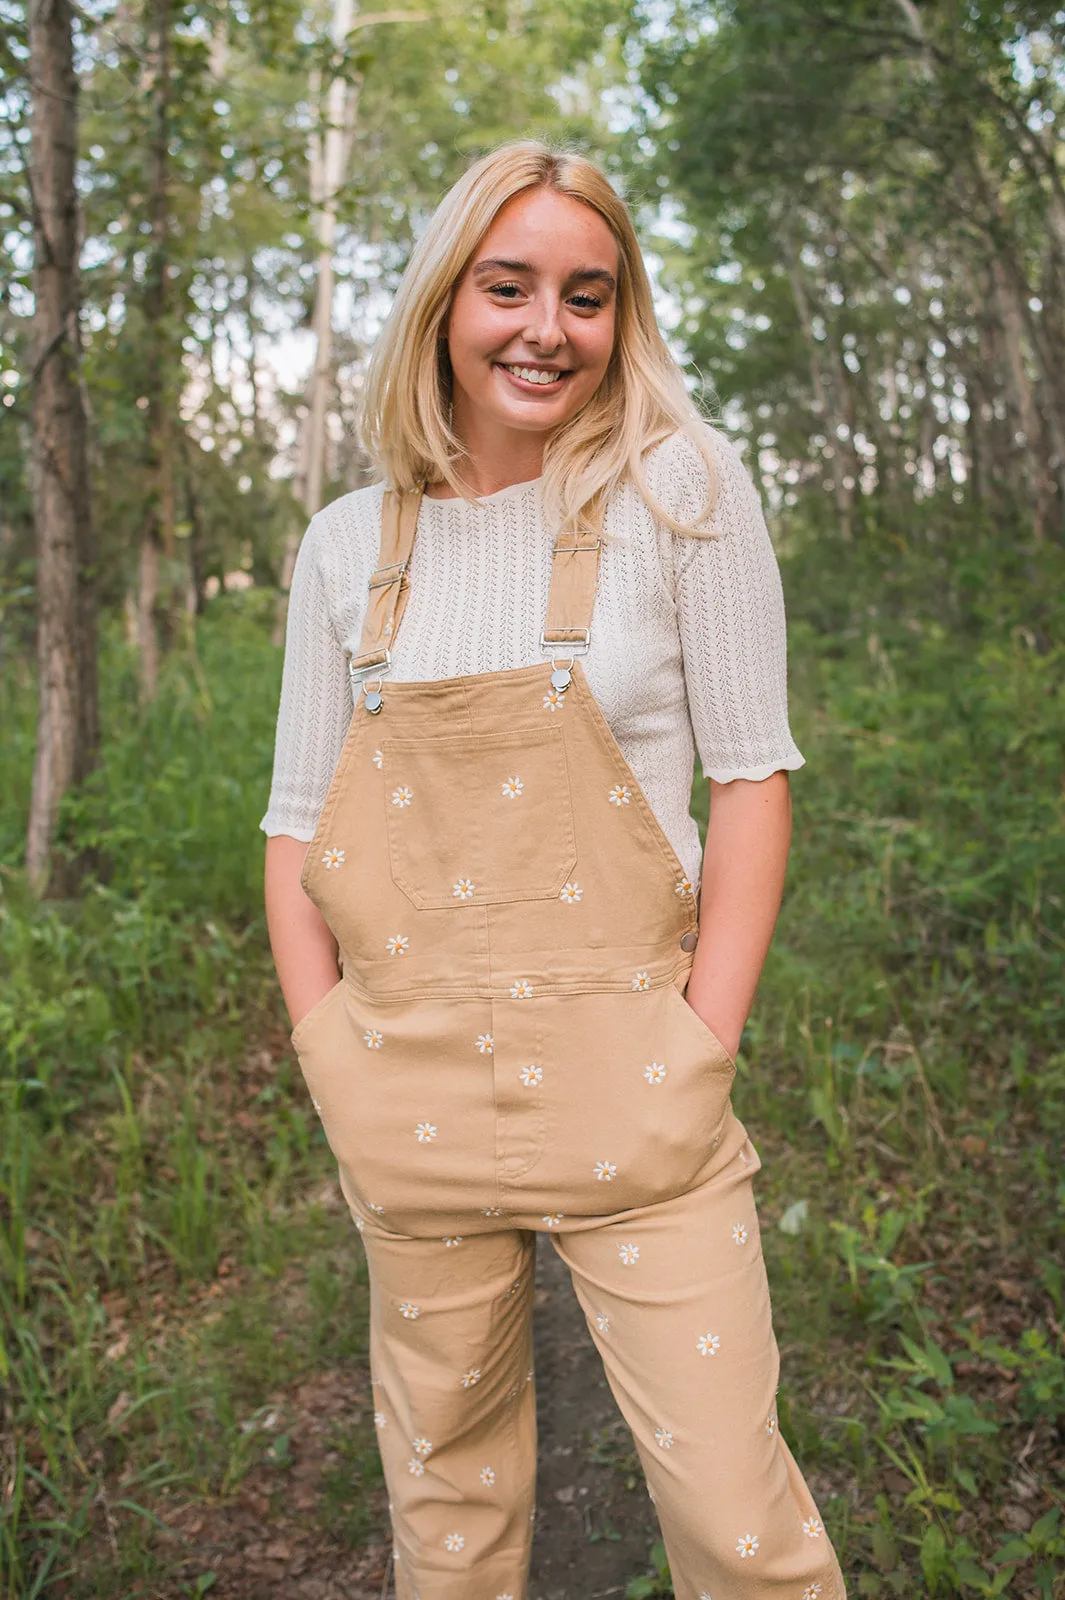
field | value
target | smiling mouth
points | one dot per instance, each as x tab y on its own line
534	377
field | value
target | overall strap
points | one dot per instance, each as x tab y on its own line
389	587
574	582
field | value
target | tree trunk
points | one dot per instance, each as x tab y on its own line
824	397
67	717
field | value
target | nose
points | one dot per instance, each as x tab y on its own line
544	325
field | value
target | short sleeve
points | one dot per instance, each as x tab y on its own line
730	614
315	708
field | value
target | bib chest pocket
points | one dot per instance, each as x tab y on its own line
479	818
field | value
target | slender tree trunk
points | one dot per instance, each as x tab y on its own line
825	400
67	717
158	528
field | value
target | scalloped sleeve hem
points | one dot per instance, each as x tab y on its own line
790	763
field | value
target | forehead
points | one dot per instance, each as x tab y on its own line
546	228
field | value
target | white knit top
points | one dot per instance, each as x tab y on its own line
687	639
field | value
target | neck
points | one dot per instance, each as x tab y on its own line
494	457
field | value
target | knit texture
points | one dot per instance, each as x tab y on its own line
687	641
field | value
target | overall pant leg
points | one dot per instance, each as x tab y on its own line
677	1303
454	1402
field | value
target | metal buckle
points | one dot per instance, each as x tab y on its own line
576	549
398	568
373	669
574	647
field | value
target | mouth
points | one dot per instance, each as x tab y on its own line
534	379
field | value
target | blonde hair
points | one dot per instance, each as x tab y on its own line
642	399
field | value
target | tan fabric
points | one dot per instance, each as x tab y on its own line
509	1051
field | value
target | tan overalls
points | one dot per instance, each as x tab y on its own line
508	1052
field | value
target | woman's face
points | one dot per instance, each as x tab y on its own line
531	325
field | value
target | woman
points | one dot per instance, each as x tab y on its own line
567	580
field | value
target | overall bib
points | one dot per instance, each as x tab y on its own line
509	1052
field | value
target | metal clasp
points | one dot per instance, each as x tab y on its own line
369	678
572	647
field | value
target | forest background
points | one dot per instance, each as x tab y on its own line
856	213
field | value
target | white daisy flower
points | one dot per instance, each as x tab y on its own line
378	758
333	858
397	945
485	1043
402	796
708	1344
380	1420
655	1072
491	1211
553	699
663	1439
531	1076
378	1211
629	1253
415	1467
454	1542
813	1528
316	1105
705	1595
570	894
471	1376
620	794
739	1233
746	1545
811	1591
770	1425
360	1225
641	981
426	1132
512	787
506	1596
522	990
605	1171
450	1240
488	1476
422	1447
553	1218
463	889
411	1312
374	1040
685	887
602	1322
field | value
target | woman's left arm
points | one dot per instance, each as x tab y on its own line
744	864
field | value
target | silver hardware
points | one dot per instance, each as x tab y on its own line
561	678
369	671
373	700
397	568
688	941
572	647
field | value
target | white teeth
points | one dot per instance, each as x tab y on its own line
533	374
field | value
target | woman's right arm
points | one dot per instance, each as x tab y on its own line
313	717
304	950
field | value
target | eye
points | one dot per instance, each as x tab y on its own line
587	301
505	288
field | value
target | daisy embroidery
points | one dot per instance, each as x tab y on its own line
531	1076
426	1132
471	1376
812	1528
629	1253
422	1447
488	1476
684	887
746	1545
553	1218
571	893
316	1105
378	1211
507	1596
380	1420
416	1467
378	758
333	858
463	889
602	1322
663	1439
655	1072
374	1040
491	1211
454	1542
811	1591
641	981
739	1233
770	1425
708	1344
605	1171
552	699
411	1312
359	1224
512	788
484	1043
397	945
620	795
522	990
402	796
450	1240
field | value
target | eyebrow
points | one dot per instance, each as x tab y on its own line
582	275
